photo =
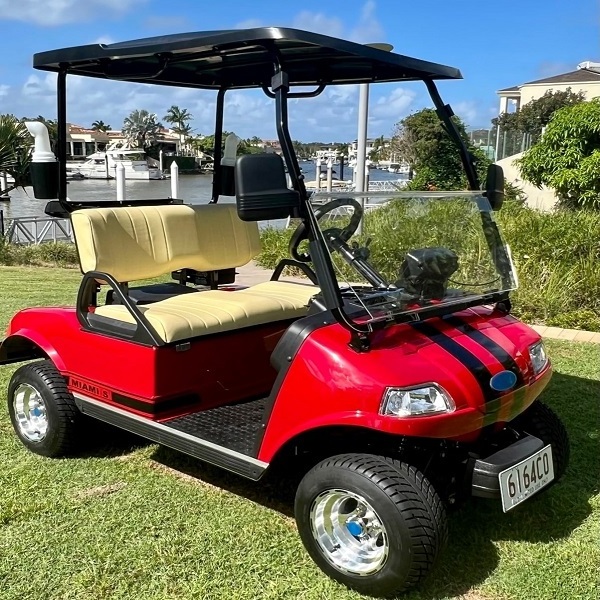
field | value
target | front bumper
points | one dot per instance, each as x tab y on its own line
485	482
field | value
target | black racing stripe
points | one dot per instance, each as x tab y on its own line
497	351
159	406
468	359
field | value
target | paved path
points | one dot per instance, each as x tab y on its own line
252	274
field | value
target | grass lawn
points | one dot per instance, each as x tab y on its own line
138	521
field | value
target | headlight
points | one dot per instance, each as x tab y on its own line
538	356
430	399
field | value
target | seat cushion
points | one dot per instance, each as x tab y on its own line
288	292
216	311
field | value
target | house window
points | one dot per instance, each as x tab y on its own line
78	149
90	148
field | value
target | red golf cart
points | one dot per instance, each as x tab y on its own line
395	376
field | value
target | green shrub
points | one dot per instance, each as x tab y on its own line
60	254
557	255
582	318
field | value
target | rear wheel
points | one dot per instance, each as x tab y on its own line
43	411
372	523
542	422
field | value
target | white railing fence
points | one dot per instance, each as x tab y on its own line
36	230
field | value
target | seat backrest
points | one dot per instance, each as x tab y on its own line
132	243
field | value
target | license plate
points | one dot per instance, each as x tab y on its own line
521	481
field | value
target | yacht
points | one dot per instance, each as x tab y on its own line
399	168
102	165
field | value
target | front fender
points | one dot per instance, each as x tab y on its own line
28	345
30	332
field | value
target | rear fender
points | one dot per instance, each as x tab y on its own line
27	345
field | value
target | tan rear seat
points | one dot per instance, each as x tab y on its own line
141	242
132	243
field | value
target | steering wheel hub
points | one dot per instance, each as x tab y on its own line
332	234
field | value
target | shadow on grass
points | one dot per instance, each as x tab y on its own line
106	441
471	555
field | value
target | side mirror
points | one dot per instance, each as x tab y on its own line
494	186
261	188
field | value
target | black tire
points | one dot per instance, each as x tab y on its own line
62	417
542	422
404	502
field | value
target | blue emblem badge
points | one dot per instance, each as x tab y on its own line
503	381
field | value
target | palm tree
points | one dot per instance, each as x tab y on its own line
101	126
15	154
141	128
179	117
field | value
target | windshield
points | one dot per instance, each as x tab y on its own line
414	251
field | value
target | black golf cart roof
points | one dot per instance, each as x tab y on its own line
240	58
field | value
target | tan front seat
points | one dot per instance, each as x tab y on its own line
193	315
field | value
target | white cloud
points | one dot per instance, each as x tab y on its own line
369	29
343	95
38	85
4	89
319	23
395	105
332	116
60	12
468	111
249	111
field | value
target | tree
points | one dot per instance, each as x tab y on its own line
421	141
179	118
379	152
531	119
206	145
567	158
15	154
141	128
101	126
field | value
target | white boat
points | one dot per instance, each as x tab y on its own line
103	165
399	168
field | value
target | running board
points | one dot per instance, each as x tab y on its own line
220	456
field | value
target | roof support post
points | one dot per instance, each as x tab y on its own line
318	251
280	87
61	151
445	114
220	110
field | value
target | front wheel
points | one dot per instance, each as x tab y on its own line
542	422
43	411
372	523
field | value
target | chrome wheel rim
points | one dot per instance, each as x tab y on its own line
350	533
30	413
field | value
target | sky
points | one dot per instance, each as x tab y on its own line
494	44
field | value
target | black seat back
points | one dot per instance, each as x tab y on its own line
261	188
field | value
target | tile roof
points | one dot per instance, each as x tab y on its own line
577	76
514	88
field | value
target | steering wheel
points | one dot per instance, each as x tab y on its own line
340	234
